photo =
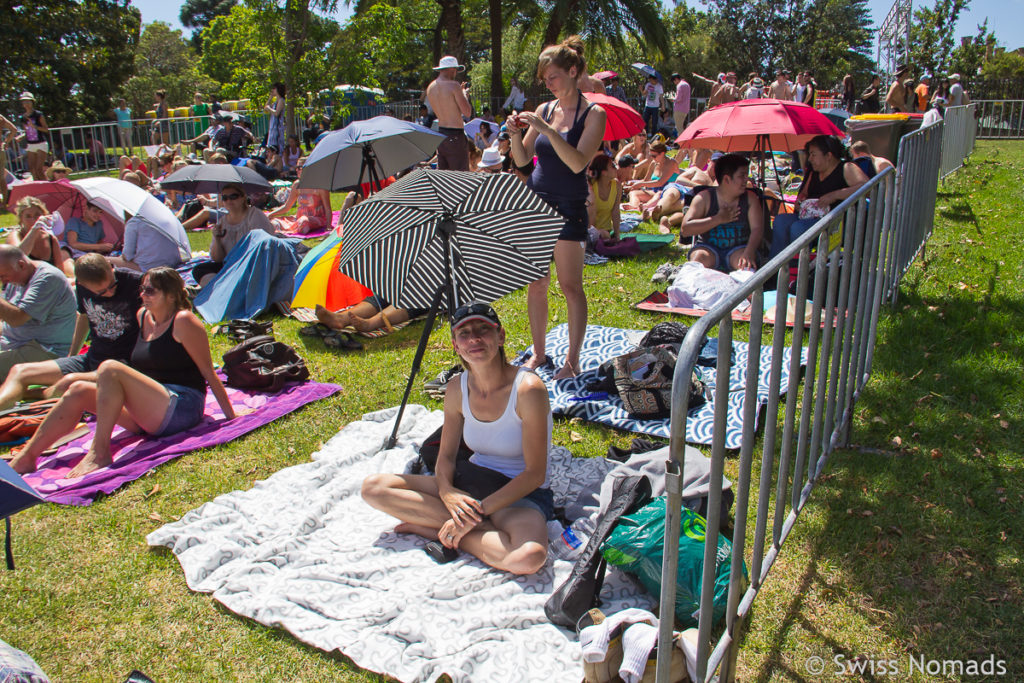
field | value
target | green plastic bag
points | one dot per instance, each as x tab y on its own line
638	543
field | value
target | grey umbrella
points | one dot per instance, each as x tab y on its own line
209	178
367	152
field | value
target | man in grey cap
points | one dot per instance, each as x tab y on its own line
448	100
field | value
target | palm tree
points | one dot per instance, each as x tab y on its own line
603	20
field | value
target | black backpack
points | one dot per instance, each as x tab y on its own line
264	364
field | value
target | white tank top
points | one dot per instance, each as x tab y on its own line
498	445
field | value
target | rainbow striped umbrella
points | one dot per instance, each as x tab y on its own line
319	280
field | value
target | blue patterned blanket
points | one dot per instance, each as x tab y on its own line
604	343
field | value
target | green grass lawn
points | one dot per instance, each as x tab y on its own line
911	545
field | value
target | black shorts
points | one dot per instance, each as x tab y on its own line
83	362
575	213
481	482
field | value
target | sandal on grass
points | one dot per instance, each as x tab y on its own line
341	340
315	330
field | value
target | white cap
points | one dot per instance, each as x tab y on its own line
490	157
449	62
954	77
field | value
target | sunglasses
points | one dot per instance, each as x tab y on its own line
230	197
148	290
108	289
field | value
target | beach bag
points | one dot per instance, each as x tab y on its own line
19	423
643	381
264	364
582	590
637	545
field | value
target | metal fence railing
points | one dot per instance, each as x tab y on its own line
959	130
1000	119
917	181
841	278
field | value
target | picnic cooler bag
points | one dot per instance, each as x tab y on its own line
264	364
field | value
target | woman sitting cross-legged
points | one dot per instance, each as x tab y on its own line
502	413
163	392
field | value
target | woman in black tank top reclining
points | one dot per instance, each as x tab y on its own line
502	414
163	392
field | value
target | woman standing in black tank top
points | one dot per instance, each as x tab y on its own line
565	135
164	393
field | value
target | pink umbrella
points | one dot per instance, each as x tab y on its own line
604	75
58	196
757	125
622	120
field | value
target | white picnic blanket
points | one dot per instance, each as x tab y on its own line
303	552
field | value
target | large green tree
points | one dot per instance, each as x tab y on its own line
828	37
932	35
197	15
73	55
165	60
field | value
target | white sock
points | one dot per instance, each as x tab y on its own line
594	639
637	643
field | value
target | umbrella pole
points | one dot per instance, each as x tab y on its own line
445	230
428	326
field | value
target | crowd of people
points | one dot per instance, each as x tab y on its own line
148	364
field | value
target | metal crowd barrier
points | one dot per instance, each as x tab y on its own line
917	181
959	130
1000	119
842	286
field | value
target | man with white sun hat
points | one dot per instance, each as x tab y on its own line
448	100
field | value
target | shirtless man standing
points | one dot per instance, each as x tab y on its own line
448	100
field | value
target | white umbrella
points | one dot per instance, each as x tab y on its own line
473	127
118	197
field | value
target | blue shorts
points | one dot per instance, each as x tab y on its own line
184	411
541	500
722	255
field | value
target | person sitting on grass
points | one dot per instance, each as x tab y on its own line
108	306
313	214
604	199
496	504
240	220
372	313
85	234
37	309
163	391
662	169
36	234
670	199
727	220
271	166
866	161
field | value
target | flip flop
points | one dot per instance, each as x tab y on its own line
441	554
341	340
315	330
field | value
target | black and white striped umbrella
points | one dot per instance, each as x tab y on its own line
501	236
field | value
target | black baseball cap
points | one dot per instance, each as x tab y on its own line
474	310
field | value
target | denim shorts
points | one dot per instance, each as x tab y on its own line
184	411
721	255
574	211
541	500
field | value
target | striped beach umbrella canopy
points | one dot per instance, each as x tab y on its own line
479	235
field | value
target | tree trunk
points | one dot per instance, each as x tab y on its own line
451	20
497	86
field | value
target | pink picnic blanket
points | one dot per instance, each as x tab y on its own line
134	455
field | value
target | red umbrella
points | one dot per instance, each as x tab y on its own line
623	121
605	74
58	196
757	125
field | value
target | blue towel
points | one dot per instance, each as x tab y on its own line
257	273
